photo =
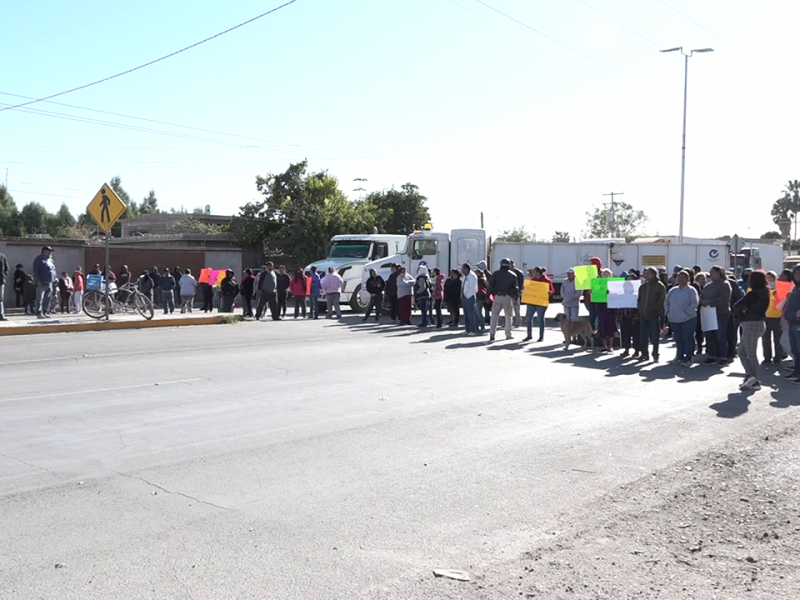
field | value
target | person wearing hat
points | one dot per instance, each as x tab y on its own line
505	288
570	297
44	278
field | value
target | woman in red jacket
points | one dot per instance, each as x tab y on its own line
297	286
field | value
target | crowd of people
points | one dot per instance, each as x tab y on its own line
746	311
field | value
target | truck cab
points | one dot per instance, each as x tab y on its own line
349	253
440	250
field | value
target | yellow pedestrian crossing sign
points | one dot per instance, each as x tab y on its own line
105	208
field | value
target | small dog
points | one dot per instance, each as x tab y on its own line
571	329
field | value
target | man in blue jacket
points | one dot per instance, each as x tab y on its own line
316	287
44	277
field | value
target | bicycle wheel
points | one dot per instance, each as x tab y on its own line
143	306
94	304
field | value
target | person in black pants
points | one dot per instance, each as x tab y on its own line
207	292
375	287
246	289
284	281
452	296
391	293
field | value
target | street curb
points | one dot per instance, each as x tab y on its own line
112	325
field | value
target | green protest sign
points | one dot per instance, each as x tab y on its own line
600	288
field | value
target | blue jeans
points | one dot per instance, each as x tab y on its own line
43	295
684	338
314	306
571	312
593	319
2	301
651	331
168	301
717	341
538	311
423	308
470	314
479	309
794	340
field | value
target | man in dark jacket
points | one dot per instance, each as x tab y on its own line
518	300
166	283
505	288
19	286
3	279
284	281
391	292
375	287
44	277
791	312
717	293
267	286
652	295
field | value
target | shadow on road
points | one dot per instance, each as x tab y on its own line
736	405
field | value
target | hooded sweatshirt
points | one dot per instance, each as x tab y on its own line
422	287
570	297
405	285
792	306
599	264
681	304
438	287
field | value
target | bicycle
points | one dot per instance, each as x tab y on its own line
126	299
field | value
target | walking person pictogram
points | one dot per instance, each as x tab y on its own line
105	204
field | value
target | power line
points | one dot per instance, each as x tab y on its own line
607	66
481	17
709	32
152	62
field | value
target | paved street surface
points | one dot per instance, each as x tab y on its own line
305	460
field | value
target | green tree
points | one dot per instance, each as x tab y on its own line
9	215
149	205
398	211
518	234
624	222
561	237
131	208
61	223
772	235
299	214
34	218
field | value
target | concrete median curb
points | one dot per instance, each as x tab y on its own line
114	325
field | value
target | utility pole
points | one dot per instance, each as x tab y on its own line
611	215
360	189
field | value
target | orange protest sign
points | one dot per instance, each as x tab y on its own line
782	289
536	293
205	275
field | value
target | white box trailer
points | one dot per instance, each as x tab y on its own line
616	255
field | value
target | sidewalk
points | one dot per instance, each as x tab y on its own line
64	323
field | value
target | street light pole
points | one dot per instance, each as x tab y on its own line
683	143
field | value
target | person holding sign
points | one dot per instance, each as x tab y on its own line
570	296
791	312
717	294
537	297
606	317
772	337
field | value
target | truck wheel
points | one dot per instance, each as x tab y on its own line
356	305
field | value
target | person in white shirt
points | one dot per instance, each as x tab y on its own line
469	290
332	288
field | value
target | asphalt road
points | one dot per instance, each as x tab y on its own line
321	460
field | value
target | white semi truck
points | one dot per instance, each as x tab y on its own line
349	253
443	250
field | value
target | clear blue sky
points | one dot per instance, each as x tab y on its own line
480	112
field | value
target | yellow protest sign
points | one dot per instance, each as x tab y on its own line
584	275
105	208
536	293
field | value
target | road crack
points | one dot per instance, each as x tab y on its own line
27	464
172	492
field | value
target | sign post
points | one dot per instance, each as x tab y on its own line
736	247
106	208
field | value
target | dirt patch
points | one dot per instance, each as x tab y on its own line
724	525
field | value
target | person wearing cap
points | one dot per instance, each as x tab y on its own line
673	280
505	288
570	297
44	278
